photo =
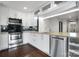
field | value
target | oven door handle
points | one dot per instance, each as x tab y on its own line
58	38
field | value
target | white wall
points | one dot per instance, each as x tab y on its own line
55	25
5	13
52	25
44	25
48	25
41	25
64	25
27	18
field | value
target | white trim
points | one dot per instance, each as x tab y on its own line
73	51
70	11
74	44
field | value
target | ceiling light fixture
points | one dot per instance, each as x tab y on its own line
25	7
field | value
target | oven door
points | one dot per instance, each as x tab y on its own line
15	39
14	28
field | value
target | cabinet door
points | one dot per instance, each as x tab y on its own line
45	43
26	37
4	41
4	15
42	43
35	39
0	40
38	41
32	40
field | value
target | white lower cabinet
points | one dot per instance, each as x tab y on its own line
34	39
40	41
45	43
26	37
3	41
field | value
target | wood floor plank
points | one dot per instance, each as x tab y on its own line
23	51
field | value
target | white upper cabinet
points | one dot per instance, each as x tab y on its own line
27	18
52	8
4	15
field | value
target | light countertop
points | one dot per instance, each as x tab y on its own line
50	33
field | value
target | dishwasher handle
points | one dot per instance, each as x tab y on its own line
58	38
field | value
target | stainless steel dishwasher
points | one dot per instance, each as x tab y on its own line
57	46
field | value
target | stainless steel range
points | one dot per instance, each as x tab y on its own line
15	39
15	32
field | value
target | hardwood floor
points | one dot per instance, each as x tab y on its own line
23	51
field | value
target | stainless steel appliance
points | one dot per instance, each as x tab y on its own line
15	39
58	46
73	46
15	32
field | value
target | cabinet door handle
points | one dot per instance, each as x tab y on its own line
58	38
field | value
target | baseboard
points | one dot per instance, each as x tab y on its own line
26	44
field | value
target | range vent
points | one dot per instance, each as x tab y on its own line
46	7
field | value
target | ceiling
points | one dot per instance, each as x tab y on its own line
19	5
